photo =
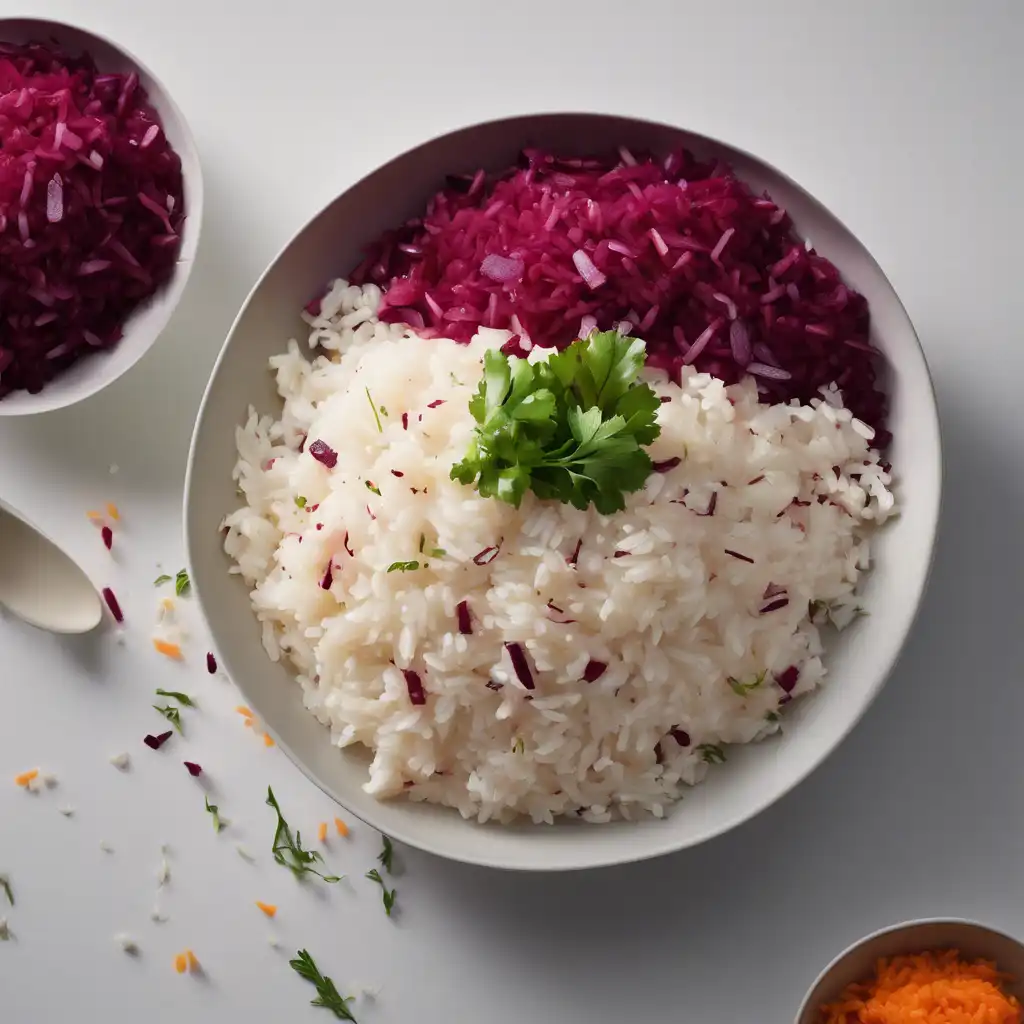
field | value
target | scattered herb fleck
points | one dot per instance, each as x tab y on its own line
214	812
182	584
772	717
438	553
173	715
300	500
387	896
712	753
327	995
403	566
373	409
162	579
5	884
387	854
288	851
181	698
371	486
741	688
518	747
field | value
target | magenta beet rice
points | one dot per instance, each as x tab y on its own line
705	271
91	209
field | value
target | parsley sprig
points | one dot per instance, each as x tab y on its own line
287	849
386	855
5	884
327	994
571	428
214	812
173	715
181	698
387	895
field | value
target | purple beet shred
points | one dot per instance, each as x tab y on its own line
787	679
594	671
211	662
520	665
323	453
156	742
111	600
465	621
414	685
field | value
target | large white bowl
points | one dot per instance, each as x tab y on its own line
755	776
141	330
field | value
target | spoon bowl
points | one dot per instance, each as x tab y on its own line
40	582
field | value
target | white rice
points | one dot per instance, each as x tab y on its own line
653	594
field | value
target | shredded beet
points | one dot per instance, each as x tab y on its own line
680	736
405	421
787	678
712	505
398	473
156	742
193	768
575	556
520	664
350	552
415	686
108	537
492	684
707	272
465	621
435	403
772	590
742	558
328	578
115	608
211	662
323	453
775	605
488	555
91	209
664	467
594	671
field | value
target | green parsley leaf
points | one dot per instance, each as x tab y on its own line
181	698
772	717
571	429
387	854
388	897
218	821
173	715
160	580
182	583
287	849
741	688
300	500
712	753
5	884
327	995
403	566
373	408
438	553
371	486
518	747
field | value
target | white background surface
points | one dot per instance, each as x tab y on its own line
903	117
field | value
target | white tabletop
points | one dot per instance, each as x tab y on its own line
905	119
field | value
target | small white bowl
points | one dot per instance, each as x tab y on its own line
89	375
856	963
756	775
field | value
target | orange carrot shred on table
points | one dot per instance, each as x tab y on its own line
244	711
247	722
112	511
268	740
268	908
180	963
96	518
26	777
341	827
193	963
167	650
921	988
321	832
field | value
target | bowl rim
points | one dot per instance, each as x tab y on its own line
658	847
921	922
192	176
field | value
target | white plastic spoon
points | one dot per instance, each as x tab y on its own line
40	583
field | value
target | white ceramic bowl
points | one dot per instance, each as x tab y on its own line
973	941
87	376
755	776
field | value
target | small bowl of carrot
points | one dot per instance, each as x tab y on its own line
924	972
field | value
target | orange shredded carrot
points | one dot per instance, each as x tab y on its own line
268	740
168	604
268	908
26	777
321	832
341	827
96	518
193	963
180	963
921	988
167	650
247	723
112	511
244	711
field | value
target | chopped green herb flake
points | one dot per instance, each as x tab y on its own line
327	994
181	698
387	854
741	688
162	579
373	409
218	822
772	717
403	566
173	715
300	500
287	849
388	897
571	428
5	884
712	753
371	486
438	553
518	747
182	584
